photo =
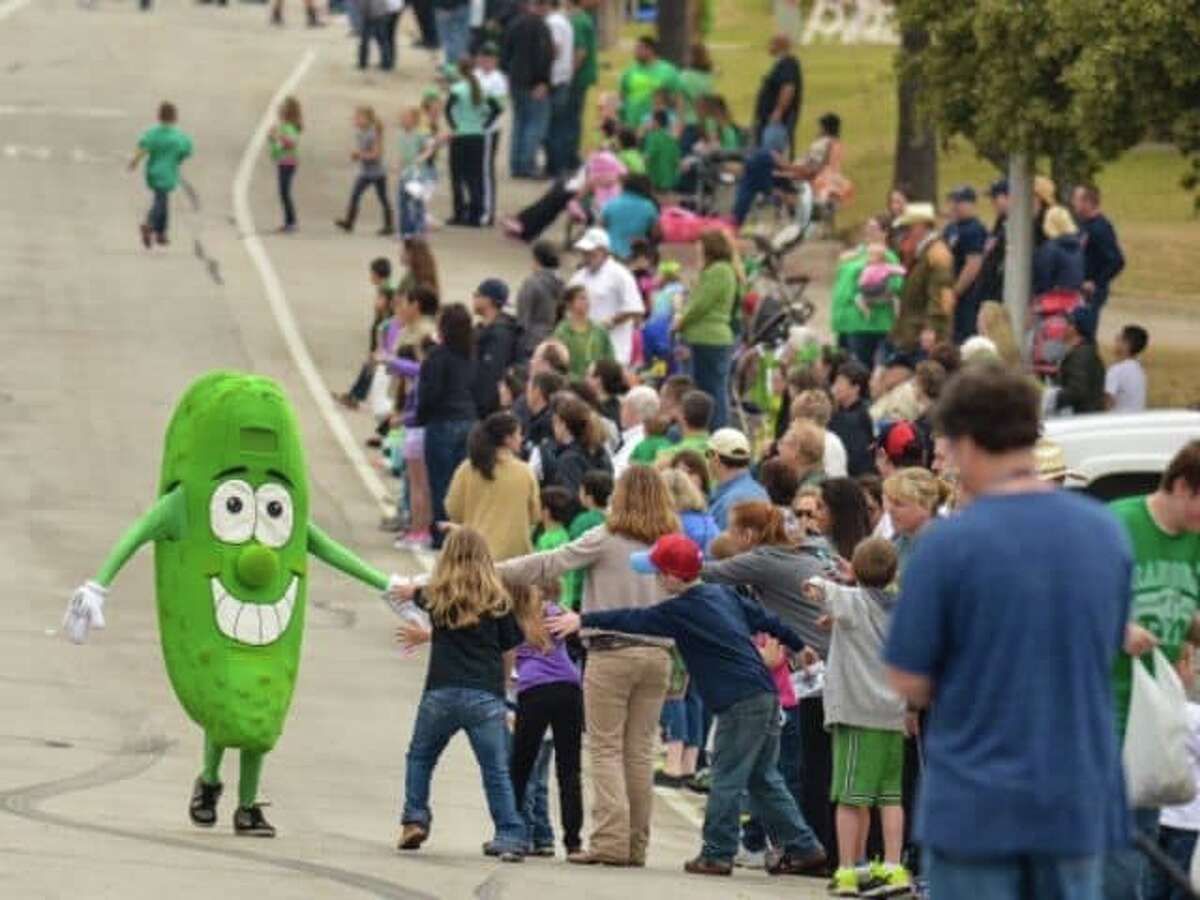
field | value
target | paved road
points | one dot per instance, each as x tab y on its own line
97	339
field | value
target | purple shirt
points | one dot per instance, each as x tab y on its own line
535	668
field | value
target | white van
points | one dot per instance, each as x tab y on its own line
1113	455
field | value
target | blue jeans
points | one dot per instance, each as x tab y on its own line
1013	878
1126	871
568	126
531	119
558	131
746	759
1178	844
683	719
758	177
157	217
709	368
537	800
454	31
791	750
286	174
445	448
444	712
412	213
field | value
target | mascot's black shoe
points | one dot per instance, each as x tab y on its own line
203	808
252	823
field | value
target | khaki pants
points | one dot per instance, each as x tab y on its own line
623	694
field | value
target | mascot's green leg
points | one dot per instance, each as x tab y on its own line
249	819
207	789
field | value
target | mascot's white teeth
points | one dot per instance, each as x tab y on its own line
256	624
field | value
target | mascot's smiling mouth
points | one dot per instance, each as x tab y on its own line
255	624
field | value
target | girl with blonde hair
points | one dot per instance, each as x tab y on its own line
368	153
995	324
627	675
473	628
912	498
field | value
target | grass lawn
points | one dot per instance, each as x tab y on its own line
1153	214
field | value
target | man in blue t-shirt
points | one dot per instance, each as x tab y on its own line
966	237
630	215
1010	616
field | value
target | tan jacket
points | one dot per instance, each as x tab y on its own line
504	510
609	582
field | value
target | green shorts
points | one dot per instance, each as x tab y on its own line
868	766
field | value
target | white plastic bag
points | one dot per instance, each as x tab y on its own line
379	398
1157	769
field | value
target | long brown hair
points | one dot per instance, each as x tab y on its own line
289	111
761	518
582	424
527	610
464	586
421	264
641	507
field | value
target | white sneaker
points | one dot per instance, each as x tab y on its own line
750	859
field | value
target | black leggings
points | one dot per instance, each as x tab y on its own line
558	706
286	174
468	174
540	214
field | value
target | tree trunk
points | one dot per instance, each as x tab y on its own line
1018	253
915	168
610	16
676	25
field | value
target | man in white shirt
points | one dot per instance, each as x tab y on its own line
494	84
615	303
637	406
561	72
1125	381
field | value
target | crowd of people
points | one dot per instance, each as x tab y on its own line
862	589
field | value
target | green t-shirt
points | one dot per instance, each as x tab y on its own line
285	144
584	347
633	161
551	539
646	452
166	147
585	40
662	158
844	315
697	442
573	581
638	84
1166	589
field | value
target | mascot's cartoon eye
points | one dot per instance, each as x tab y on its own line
231	512
274	525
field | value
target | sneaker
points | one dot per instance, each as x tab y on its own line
203	808
662	779
147	234
414	540
750	859
345	224
545	851
701	782
702	865
791	863
252	823
412	836
888	881
508	856
347	400
161	239
844	883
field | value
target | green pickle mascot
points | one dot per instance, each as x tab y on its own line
232	536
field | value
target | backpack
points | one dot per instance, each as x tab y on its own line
1050	311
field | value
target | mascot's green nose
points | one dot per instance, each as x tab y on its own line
257	566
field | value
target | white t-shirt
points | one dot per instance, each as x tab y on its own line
563	35
494	85
1125	382
835	456
630	438
612	291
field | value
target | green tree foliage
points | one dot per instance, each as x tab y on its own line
1075	81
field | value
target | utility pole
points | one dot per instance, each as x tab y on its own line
1018	256
676	28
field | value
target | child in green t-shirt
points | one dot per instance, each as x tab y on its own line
661	150
284	142
558	507
594	491
163	147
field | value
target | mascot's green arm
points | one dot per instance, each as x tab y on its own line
330	552
163	521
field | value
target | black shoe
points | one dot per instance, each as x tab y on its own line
203	808
345	224
387	231
662	779
252	823
508	856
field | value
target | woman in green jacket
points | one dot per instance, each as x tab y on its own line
862	335
704	323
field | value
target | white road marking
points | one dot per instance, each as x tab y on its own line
79	112
25	151
8	7
277	299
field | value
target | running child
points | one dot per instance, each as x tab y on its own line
284	141
868	722
713	630
473	629
549	696
163	147
368	153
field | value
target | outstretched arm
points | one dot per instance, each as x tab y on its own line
164	521
330	552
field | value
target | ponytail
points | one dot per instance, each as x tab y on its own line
468	75
483	443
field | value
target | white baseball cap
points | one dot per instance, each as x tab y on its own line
593	239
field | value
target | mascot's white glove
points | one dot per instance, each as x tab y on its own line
84	611
399	595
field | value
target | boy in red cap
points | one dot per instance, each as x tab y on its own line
714	630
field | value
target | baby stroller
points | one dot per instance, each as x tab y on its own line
765	269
